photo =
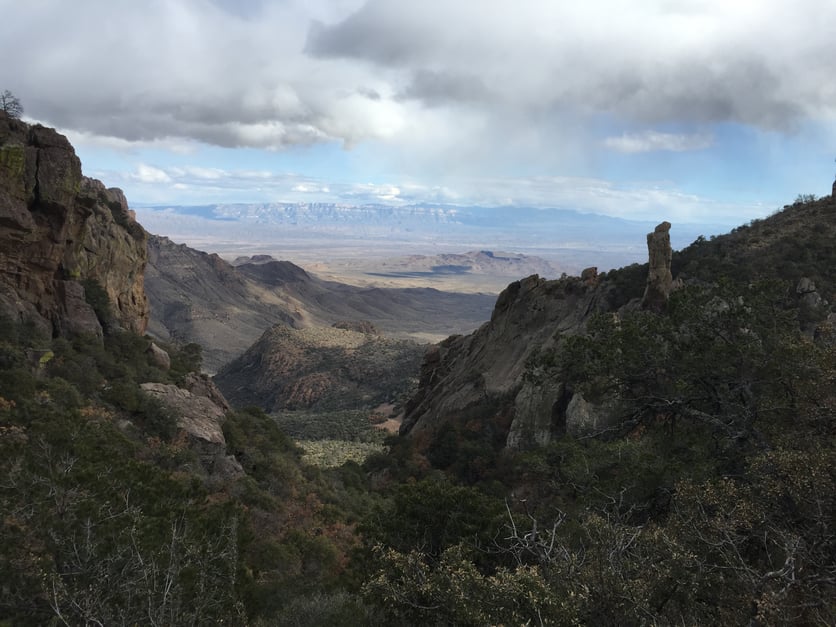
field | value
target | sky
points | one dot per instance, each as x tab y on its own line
706	111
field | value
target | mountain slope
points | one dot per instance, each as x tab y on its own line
320	369
198	297
490	374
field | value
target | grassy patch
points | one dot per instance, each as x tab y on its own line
334	453
351	425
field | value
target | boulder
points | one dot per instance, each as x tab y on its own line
539	414
590	275
200	412
196	415
75	316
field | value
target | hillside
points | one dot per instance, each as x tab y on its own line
198	297
321	369
489	373
131	492
651	445
664	442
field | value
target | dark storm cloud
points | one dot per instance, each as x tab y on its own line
364	35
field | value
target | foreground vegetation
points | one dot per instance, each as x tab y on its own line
710	501
110	515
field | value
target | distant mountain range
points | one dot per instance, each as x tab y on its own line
313	231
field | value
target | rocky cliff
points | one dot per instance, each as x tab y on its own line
488	376
62	234
481	375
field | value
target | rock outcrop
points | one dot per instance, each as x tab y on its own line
481	376
659	278
200	409
60	232
491	376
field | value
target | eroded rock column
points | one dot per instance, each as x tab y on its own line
659	278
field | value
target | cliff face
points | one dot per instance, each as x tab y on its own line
488	378
481	375
59	229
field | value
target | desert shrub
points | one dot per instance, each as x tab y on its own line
333	453
97	298
328	609
432	514
184	359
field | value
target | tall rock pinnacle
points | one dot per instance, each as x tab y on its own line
659	278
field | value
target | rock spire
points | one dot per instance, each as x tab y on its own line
659	278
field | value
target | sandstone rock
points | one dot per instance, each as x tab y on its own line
202	385
75	316
201	411
809	295
805	286
58	227
659	279
589	275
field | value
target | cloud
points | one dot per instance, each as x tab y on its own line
659	61
438	88
428	97
273	75
652	141
369	192
150	174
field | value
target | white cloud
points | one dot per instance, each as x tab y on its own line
429	95
308	188
204	71
365	192
150	174
653	141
